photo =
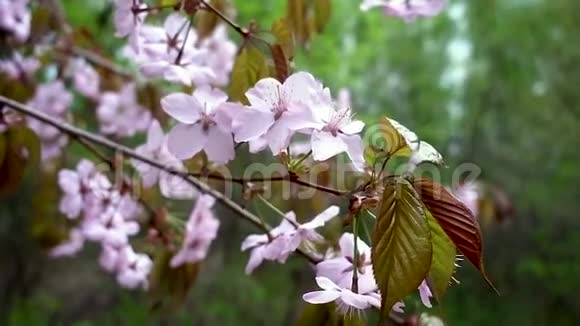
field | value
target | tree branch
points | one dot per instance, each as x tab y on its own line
289	177
242	31
204	188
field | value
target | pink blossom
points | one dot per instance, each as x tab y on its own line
266	248
285	238
336	132
290	240
110	228
86	80
340	269
277	111
111	257
155	148
129	16
200	231
171	52
71	246
408	10
53	99
203	124
133	269
221	53
120	114
19	67
71	202
345	298
15	18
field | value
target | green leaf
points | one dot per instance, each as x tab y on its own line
402	250
169	286
281	31
295	13
207	20
443	259
322	13
22	151
250	66
393	139
455	219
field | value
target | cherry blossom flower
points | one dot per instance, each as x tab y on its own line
285	238
221	53
85	78
277	111
336	132
70	247
129	16
264	248
112	228
171	52
120	114
203	124
290	240
408	10
53	99
340	269
200	231
19	67
111	257
15	17
345	298
71	202
133	269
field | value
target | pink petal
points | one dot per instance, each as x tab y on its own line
354	150
319	297
184	141
354	127
173	24
352	299
220	146
155	135
300	86
325	145
210	97
326	284
253	240
265	93
251	124
322	218
182	107
278	137
256	259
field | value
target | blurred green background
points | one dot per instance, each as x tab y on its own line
490	82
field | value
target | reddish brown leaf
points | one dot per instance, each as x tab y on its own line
280	63
455	219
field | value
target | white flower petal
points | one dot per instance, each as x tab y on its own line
184	141
319	297
182	107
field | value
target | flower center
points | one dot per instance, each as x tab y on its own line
280	106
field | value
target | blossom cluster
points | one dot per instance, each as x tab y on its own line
276	113
106	215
